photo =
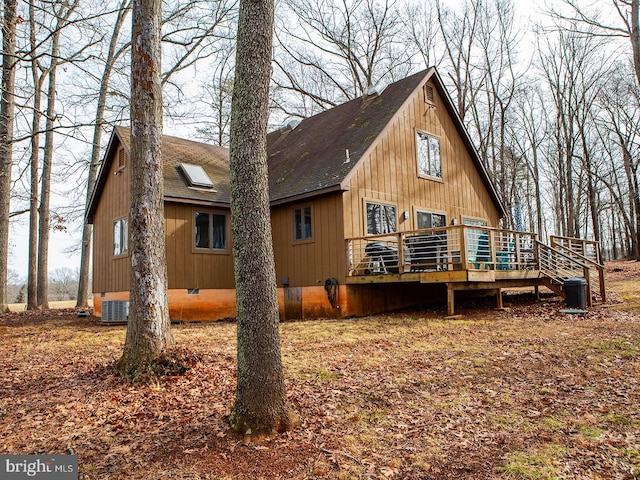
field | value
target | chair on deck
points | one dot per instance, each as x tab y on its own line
385	256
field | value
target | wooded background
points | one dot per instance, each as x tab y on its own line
550	97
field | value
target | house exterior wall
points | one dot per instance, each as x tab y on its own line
310	262
111	272
188	267
389	173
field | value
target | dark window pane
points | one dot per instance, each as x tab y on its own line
202	230
219	232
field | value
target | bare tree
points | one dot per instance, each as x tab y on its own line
591	21
330	52
62	13
261	405
114	53
7	107
149	327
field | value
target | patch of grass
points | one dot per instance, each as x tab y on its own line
541	464
553	423
618	346
589	432
619	420
325	375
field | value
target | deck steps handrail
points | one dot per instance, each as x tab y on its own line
597	281
557	266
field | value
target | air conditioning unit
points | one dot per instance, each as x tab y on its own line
115	311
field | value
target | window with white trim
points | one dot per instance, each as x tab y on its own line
429	159
302	227
120	236
210	231
380	218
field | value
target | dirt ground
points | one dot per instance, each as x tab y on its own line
525	393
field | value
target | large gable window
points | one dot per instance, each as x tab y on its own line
429	160
120	237
302	229
210	231
380	218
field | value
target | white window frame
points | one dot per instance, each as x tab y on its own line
428	155
120	237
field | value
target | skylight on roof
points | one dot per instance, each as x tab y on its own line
196	176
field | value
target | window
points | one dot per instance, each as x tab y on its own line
380	218
429	161
210	231
120	236
302	229
196	176
430	220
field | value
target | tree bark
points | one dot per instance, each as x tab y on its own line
261	405
7	107
149	327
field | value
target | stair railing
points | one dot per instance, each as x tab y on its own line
558	266
597	281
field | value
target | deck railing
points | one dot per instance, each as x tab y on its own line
588	253
458	247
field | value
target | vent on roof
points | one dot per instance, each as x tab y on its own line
292	124
376	89
428	94
115	311
196	176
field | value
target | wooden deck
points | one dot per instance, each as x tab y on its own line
474	258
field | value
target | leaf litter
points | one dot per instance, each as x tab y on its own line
527	392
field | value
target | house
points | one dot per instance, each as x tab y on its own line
358	195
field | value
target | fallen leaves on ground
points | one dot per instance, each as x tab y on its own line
524	393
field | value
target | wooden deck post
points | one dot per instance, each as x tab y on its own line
499	304
450	301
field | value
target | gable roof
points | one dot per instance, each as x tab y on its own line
317	156
312	157
175	151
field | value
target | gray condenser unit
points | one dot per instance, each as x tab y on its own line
115	311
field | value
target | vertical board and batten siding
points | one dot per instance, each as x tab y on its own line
389	174
309	263
110	273
187	267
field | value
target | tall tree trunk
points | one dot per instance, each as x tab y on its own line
261	405
7	107
149	328
45	193
635	36
87	230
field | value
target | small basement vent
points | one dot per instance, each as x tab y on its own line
115	311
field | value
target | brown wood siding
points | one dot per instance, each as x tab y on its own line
110	273
310	262
186	266
389	174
